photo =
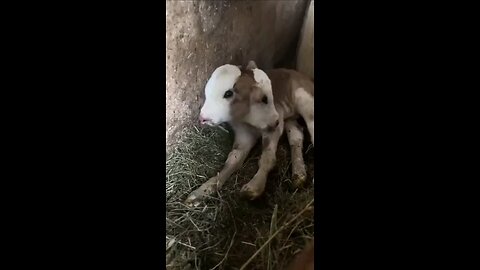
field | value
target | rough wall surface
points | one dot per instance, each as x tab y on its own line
202	35
305	56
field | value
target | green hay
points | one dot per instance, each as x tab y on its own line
225	231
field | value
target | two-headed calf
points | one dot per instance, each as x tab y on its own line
257	104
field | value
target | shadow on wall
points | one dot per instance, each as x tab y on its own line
202	35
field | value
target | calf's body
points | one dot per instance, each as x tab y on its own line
257	104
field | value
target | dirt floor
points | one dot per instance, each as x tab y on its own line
228	232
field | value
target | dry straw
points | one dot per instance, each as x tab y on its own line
228	232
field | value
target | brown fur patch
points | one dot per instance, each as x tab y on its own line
304	82
247	72
281	87
243	89
286	81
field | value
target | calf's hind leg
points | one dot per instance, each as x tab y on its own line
307	114
305	106
295	139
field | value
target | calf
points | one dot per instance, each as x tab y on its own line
257	104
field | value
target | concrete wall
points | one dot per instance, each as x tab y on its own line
202	35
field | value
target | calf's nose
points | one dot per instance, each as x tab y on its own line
203	120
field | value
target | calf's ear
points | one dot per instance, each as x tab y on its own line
251	65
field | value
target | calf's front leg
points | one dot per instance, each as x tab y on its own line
256	186
244	141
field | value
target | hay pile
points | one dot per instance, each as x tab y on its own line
228	232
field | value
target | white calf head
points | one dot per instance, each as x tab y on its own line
239	95
216	109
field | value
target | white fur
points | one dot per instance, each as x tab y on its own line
262	79
216	108
304	103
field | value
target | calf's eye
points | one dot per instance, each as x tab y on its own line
228	94
265	99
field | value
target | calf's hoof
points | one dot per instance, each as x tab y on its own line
198	195
251	191
298	180
194	199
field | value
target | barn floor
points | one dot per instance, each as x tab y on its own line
226	232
